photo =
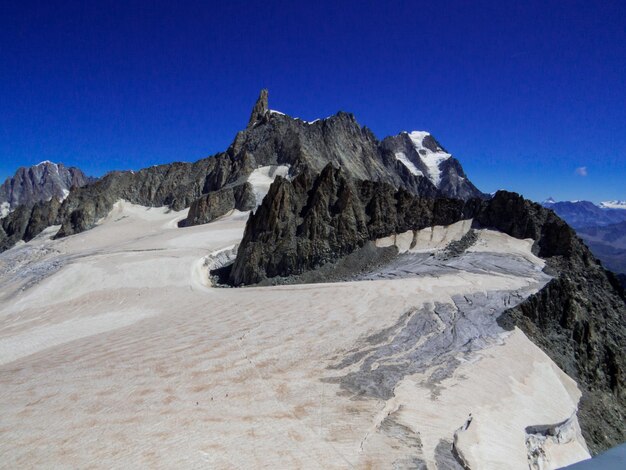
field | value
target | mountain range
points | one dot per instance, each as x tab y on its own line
336	299
602	227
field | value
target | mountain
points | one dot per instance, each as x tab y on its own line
38	183
381	312
585	213
271	140
613	205
602	227
608	242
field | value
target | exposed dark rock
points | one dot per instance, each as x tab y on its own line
218	203
520	218
260	108
313	220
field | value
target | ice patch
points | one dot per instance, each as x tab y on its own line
5	209
273	111
431	159
66	193
408	163
262	178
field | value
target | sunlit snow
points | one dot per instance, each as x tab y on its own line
408	163
262	178
613	205
431	159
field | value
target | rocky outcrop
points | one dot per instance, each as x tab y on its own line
260	108
218	203
26	222
39	183
315	219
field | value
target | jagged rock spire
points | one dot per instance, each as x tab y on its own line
260	108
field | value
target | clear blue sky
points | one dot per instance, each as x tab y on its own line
523	93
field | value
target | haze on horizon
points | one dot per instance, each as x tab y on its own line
529	98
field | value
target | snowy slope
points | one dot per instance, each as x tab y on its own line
432	159
116	352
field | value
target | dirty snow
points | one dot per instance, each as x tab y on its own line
125	357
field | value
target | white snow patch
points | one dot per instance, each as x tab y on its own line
613	205
431	159
408	163
273	111
66	193
426	240
5	209
46	162
262	178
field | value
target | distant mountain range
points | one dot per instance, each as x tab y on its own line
581	214
602	227
38	183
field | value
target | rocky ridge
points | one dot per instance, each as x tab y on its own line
270	139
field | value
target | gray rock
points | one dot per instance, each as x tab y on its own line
260	108
39	183
312	220
218	203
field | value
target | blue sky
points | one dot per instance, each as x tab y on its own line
522	93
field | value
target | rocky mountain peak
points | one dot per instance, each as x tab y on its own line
260	108
41	182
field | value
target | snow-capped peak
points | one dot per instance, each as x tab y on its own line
46	162
432	159
613	205
550	200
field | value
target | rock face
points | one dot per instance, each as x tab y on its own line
218	203
421	154
39	183
316	219
260	108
